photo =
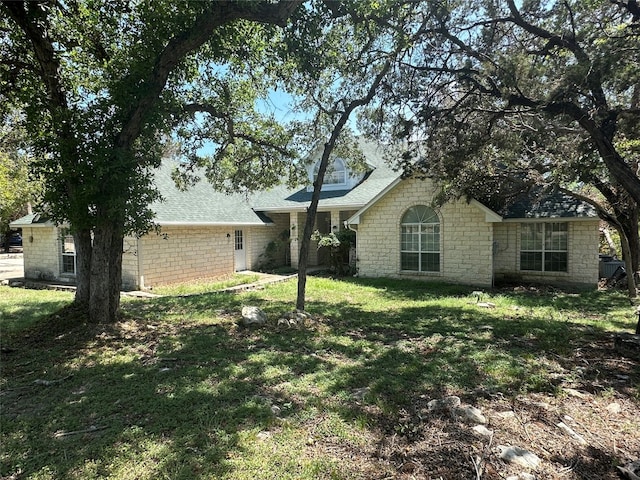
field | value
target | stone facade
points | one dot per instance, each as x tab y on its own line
465	237
180	253
473	250
582	250
41	249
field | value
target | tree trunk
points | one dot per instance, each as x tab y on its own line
303	258
115	272
106	269
626	253
629	223
82	241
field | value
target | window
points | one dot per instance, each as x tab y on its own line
420	240
543	247
238	240
68	255
336	173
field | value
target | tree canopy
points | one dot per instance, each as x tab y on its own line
103	85
503	95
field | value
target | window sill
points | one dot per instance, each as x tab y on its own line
420	274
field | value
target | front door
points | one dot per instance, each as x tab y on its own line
240	255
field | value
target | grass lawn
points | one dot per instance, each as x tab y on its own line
177	390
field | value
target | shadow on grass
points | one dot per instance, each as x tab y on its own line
178	390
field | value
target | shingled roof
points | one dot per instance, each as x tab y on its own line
540	204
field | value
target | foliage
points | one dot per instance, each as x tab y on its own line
101	88
277	252
178	390
17	188
499	97
339	245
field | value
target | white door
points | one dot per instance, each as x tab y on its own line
240	255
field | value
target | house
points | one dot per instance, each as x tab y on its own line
206	234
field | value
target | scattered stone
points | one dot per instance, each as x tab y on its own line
630	470
572	392
263	435
359	393
522	476
614	408
253	316
569	431
276	410
519	456
486	304
482	431
164	370
447	403
506	414
471	414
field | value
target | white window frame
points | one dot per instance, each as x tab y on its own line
425	238
65	239
551	242
336	176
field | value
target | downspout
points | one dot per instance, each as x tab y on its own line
140	267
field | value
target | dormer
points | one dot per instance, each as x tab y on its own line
337	177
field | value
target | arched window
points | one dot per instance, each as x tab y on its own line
336	173
420	240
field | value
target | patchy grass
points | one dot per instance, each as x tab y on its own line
205	286
179	390
20	309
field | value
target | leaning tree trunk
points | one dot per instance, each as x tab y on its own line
82	241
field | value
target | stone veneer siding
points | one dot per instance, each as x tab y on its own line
582	249
183	253
259	237
42	255
465	237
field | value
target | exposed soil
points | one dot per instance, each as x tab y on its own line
600	401
601	405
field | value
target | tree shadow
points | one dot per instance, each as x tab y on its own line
181	383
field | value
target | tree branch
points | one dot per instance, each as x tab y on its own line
217	15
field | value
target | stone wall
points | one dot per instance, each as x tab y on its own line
42	251
465	237
582	249
180	254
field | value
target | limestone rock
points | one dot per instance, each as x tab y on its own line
614	408
253	316
447	403
482	431
471	414
519	456
569	431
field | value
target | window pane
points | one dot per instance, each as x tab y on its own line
531	236
531	261
410	238
555	237
555	262
68	246
68	264
430	262
409	261
430	238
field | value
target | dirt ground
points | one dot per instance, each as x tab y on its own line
600	404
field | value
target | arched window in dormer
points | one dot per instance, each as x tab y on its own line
336	173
